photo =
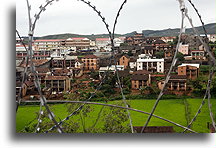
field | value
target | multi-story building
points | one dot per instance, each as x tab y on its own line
190	70
140	79
58	83
124	60
47	44
184	49
90	62
135	40
198	54
64	62
102	42
78	43
177	83
144	62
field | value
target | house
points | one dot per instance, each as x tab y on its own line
148	49
198	54
144	62
43	63
90	62
63	62
140	79
133	63
19	87
190	70
118	41
102	42
168	39
135	40
111	69
124	60
177	83
212	37
79	64
58	83
47	44
184	49
77	42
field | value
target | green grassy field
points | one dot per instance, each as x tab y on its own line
178	110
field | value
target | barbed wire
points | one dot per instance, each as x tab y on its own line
112	36
117	106
203	24
212	63
182	8
32	67
24	77
106	73
117	73
211	73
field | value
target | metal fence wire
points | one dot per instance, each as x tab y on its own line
44	102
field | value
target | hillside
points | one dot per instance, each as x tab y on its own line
211	29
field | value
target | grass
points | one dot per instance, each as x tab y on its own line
175	110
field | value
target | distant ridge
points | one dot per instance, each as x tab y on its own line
211	29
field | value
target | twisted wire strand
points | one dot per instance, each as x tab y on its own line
210	110
32	67
112	36
119	83
117	106
105	75
170	70
211	73
203	100
19	98
117	73
213	66
200	17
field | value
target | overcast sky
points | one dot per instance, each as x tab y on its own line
72	16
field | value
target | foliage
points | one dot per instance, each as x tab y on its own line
204	68
159	54
180	57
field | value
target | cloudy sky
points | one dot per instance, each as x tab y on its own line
72	16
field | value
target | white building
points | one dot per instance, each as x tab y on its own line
102	42
112	69
118	41
144	62
47	44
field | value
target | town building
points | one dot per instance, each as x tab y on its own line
124	60
145	62
102	42
58	83
78	43
190	70
47	44
198	54
111	69
184	49
140	79
177	83
90	62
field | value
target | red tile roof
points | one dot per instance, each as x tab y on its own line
90	57
141	72
49	40
102	39
56	78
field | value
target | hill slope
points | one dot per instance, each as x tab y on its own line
211	29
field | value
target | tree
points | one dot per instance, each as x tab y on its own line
159	54
180	57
